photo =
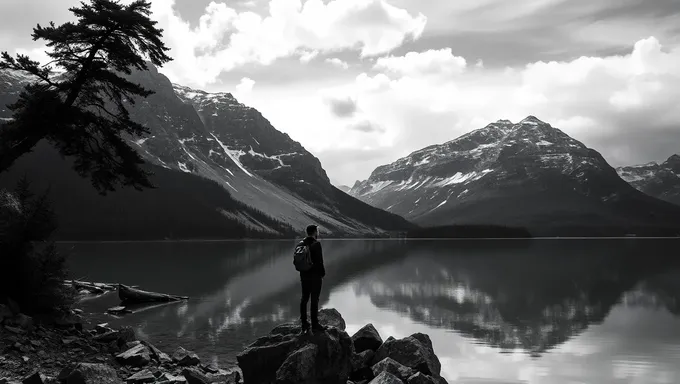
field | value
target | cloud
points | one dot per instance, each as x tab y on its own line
38	54
440	61
342	107
366	126
225	39
245	86
624	106
308	56
337	62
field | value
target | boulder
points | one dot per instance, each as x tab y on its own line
260	361
419	378
415	352
194	376
157	354
332	318
367	338
389	365
386	378
144	376
299	367
232	376
185	358
86	373
132	344
363	359
33	378
137	356
364	374
361	369
329	317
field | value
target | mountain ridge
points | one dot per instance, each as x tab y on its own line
658	180
213	136
527	174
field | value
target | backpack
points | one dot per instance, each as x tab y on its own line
302	257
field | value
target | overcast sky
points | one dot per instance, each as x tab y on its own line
361	83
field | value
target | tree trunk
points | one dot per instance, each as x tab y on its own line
132	295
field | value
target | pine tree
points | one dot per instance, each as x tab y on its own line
78	102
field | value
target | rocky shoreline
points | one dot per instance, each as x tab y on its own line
63	351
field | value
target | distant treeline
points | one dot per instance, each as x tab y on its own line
469	232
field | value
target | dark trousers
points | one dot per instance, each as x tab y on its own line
311	287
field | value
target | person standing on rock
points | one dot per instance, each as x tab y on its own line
308	260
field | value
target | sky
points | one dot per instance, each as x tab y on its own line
361	83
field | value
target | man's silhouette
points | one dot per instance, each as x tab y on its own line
311	281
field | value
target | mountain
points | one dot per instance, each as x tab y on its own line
183	206
213	136
528	174
659	180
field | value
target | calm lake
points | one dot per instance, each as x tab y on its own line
504	311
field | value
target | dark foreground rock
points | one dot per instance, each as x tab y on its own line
67	353
286	356
62	351
367	338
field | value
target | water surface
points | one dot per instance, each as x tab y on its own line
515	311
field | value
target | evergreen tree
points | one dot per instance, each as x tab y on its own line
78	101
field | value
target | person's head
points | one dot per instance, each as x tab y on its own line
312	231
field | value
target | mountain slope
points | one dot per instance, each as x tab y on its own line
216	137
658	180
183	206
528	174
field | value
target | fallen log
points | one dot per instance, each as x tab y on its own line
132	295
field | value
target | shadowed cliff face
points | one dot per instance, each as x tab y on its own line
534	302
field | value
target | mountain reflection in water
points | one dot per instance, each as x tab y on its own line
515	297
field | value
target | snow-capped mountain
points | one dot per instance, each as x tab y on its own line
216	137
659	180
526	174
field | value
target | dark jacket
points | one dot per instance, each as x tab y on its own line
318	271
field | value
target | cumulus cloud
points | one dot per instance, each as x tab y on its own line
342	106
624	106
337	62
225	39
440	61
245	86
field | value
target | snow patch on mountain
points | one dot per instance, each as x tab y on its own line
233	155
